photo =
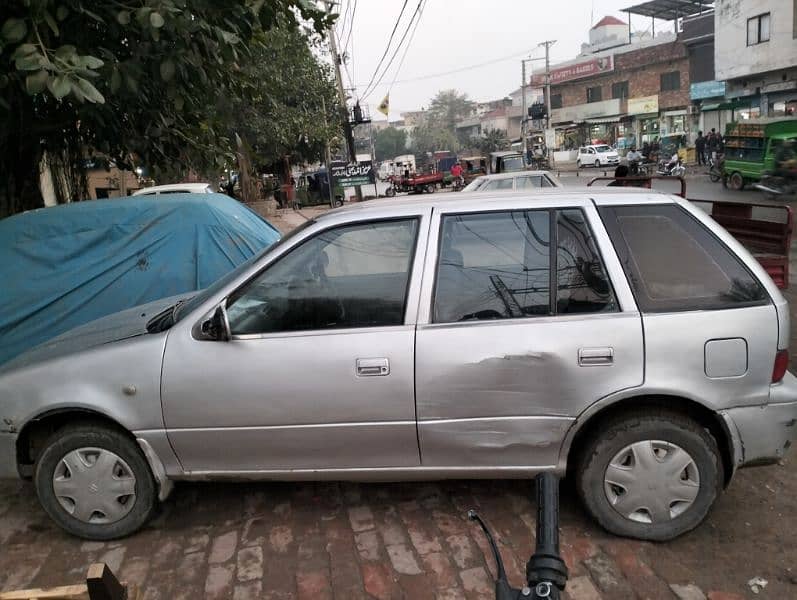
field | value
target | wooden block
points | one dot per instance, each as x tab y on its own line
66	592
102	584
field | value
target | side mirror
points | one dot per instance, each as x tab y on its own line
217	327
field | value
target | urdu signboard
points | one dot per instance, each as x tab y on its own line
351	174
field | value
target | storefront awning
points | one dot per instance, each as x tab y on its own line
706	107
614	119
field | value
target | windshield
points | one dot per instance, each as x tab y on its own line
603	148
219	284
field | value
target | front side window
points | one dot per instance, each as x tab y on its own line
350	276
758	29
675	264
499	265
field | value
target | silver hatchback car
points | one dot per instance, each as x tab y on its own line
617	335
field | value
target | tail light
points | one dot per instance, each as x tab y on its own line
781	364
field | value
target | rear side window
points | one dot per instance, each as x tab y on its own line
531	182
674	263
498	184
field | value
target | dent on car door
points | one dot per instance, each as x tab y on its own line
319	371
511	355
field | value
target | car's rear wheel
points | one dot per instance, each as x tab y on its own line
94	482
430	188
649	476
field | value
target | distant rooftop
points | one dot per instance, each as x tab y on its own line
669	10
609	20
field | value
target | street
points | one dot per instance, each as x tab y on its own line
409	540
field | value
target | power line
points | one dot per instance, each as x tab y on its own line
351	26
407	47
342	21
387	48
395	52
461	69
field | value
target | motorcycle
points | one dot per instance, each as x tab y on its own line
459	184
715	169
546	571
777	186
676	170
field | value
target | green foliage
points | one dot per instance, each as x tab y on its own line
448	107
141	78
431	138
389	143
492	141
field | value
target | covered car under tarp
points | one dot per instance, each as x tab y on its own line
64	266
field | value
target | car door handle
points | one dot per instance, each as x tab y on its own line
373	367
592	357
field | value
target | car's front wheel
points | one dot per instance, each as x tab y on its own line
597	163
650	476
94	482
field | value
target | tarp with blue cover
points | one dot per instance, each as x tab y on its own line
64	266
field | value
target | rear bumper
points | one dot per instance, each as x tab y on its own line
8	456
763	434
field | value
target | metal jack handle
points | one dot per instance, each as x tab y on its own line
546	568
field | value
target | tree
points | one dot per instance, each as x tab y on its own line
448	107
125	78
427	138
491	141
287	104
389	143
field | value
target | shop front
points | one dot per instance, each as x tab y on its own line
594	122
645	112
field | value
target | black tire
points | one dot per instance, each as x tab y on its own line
714	177
614	436
74	437
430	188
597	163
390	192
578	163
736	181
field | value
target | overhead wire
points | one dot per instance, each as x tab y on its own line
387	48
370	90
407	47
351	24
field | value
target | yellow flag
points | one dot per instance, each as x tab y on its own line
384	106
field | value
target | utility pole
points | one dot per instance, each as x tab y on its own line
347	128
547	45
524	112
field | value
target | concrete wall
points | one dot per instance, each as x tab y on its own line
733	57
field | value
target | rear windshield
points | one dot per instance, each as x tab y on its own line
674	263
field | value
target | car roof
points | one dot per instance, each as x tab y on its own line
513	174
505	153
601	195
169	187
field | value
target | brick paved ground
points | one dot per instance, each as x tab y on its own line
411	540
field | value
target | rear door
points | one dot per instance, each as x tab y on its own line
711	329
520	328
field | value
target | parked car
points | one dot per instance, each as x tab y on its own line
175	188
600	155
518	180
424	338
70	264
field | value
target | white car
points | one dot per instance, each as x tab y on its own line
599	155
516	180
176	188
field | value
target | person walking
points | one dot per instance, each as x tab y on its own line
700	149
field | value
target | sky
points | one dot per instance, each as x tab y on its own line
454	34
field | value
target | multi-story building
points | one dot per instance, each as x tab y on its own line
756	55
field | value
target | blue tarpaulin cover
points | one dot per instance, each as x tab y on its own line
64	266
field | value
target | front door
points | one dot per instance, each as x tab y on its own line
319	371
511	354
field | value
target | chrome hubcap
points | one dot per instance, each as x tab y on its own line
94	485
651	481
